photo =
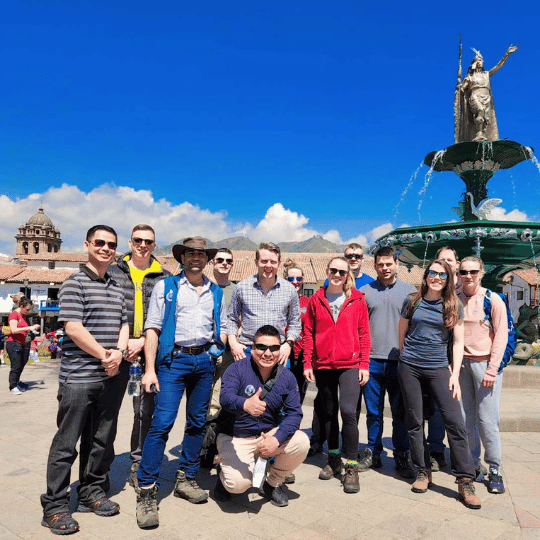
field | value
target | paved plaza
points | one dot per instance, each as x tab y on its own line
385	508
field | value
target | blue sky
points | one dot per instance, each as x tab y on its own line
275	120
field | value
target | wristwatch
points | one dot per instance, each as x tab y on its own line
123	351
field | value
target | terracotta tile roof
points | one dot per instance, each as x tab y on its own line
41	275
530	275
62	256
8	271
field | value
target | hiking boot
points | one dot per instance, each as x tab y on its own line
332	467
422	482
403	465
276	495
467	495
187	488
369	461
62	523
351	483
495	481
220	493
101	507
132	475
438	461
147	510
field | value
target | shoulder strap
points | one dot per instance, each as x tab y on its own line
487	307
269	384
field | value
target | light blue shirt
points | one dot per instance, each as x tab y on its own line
194	313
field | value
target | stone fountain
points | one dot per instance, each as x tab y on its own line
476	156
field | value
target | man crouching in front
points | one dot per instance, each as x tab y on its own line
260	427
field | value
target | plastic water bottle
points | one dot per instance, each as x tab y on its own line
135	377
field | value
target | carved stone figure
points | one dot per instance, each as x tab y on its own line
475	111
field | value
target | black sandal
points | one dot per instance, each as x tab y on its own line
62	523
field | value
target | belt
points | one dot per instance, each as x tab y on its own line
193	350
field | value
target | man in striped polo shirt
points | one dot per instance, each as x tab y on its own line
93	311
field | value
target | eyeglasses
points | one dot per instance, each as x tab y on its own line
144	241
432	274
295	278
352	256
101	243
472	272
336	271
220	260
263	348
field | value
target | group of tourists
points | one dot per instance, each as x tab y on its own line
243	356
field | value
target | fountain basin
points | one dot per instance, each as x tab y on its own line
502	243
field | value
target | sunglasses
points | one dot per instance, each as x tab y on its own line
295	278
263	348
220	260
433	274
352	256
336	271
101	243
472	272
144	241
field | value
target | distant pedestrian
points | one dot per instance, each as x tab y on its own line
18	348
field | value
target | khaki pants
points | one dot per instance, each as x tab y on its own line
222	363
237	458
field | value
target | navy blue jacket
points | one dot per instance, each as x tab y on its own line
240	381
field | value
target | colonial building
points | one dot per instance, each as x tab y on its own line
39	235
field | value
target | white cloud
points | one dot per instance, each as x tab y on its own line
499	213
73	211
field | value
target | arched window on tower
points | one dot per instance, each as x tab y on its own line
25	248
36	247
49	248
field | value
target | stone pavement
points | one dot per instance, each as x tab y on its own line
385	508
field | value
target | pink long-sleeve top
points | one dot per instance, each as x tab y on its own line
484	342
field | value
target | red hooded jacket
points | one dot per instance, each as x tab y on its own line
341	344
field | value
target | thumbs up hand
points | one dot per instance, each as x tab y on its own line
254	405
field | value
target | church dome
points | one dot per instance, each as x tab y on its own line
40	219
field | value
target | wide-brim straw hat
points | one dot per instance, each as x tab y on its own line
193	242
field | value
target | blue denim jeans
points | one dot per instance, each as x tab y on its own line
86	411
192	374
382	379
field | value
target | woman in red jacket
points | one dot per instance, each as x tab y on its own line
336	356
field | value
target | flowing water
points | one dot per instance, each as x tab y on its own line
412	179
422	193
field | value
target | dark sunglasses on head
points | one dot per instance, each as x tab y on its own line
472	272
295	278
262	347
352	256
433	274
336	271
101	243
146	241
221	260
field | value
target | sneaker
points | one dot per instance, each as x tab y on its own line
369	461
437	460
467	494
16	391
132	475
403	465
187	488
276	495
62	523
102	507
495	482
423	481
351	482
147	510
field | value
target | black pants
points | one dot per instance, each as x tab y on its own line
18	356
339	390
411	379
297	369
86	411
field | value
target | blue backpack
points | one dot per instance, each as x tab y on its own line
512	340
